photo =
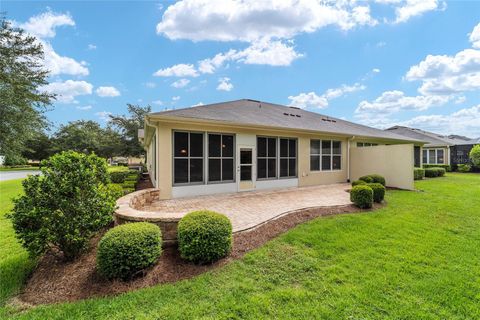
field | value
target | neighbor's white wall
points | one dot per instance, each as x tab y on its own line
394	162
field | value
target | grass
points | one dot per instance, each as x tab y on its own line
19	169
416	258
14	262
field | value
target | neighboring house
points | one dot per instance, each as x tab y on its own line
249	145
440	149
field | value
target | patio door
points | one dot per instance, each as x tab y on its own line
245	169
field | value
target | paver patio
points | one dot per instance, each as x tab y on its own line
249	209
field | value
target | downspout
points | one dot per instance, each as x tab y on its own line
348	157
149	124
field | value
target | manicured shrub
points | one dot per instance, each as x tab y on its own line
447	167
65	205
358	182
204	236
129	184
434	172
378	179
116	190
378	191
118	176
464	168
362	196
128	190
367	179
126	250
418	173
475	155
131	177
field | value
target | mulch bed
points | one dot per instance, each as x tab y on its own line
57	281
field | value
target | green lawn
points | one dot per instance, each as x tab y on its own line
417	258
19	169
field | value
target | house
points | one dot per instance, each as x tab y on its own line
250	145
440	150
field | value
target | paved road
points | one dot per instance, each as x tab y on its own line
11	175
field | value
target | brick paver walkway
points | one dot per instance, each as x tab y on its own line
248	209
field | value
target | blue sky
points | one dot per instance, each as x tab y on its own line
379	62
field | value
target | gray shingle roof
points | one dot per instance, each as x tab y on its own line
253	112
433	139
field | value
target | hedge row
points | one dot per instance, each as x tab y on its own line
373	178
418	173
447	167
434	172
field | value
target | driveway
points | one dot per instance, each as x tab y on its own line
12	175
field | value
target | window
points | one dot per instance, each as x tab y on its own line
366	144
325	155
288	157
187	157
266	158
220	157
433	156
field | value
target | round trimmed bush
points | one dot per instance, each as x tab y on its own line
362	196
126	250
118	176
358	182
378	191
116	190
204	236
367	179
378	179
418	173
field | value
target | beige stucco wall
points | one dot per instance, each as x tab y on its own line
394	162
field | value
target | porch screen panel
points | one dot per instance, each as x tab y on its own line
187	157
288	157
266	158
220	157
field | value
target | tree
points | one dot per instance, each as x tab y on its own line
38	147
475	155
86	137
65	206
22	102
128	126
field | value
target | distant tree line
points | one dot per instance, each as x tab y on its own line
23	126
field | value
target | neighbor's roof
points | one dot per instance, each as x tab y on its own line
433	139
253	112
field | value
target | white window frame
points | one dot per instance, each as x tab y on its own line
276	157
436	155
188	158
221	158
321	154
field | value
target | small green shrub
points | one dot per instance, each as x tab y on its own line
464	168
116	190
434	172
367	179
418	173
358	182
126	250
362	196
131	178
129	184
378	179
378	191
118	176
204	236
447	167
64	206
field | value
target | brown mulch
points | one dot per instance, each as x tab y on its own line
57	281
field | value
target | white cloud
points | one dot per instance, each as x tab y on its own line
84	107
58	64
157	102
44	25
442	74
267	52
150	85
464	122
475	37
68	90
224	84
180	83
92	47
394	101
178	70
312	100
460	100
197	104
413	8
376	70
104	115
176	98
107	92
249	20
